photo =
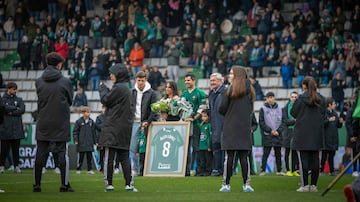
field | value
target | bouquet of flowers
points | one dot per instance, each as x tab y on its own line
180	107
161	106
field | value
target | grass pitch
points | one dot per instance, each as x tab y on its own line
88	188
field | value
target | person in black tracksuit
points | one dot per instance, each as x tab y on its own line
289	123
99	125
117	126
271	127
332	123
309	112
84	133
54	93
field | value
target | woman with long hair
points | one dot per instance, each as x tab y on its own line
309	112
171	92
237	106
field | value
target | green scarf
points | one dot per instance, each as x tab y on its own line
289	110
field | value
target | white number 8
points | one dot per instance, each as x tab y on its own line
166	149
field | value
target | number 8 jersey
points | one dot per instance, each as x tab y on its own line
166	143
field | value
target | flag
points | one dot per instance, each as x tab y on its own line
142	23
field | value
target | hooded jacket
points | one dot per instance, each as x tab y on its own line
54	93
309	125
117	125
149	96
12	127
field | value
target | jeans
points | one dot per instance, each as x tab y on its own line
83	39
89	5
173	72
287	84
158	50
97	42
133	145
94	82
9	36
19	34
52	9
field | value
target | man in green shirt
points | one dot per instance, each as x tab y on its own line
196	97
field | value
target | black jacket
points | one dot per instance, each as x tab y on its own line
2	111
54	93
12	127
309	126
217	120
288	123
331	135
237	121
84	134
117	126
99	122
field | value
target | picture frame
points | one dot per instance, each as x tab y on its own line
167	149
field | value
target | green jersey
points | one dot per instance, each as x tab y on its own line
197	97
205	136
166	143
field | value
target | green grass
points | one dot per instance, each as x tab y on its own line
269	188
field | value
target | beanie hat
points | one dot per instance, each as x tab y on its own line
54	59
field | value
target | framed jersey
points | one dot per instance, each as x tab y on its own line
167	148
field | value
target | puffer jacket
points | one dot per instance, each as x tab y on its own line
12	127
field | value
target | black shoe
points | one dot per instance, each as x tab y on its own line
36	188
66	188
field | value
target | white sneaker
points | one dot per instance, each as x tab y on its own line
280	174
248	188
57	170
11	168
17	169
43	170
225	188
304	189
134	173
2	169
116	171
313	188
90	172
109	188
131	188
78	172
262	174
355	174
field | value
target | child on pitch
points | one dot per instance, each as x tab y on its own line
205	144
141	149
99	125
331	136
85	138
271	127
